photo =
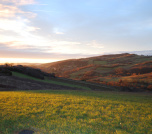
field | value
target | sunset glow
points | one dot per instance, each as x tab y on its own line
56	30
21	60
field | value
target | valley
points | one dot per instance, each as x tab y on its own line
105	94
117	72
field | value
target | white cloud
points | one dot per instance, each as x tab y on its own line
24	60
64	47
58	31
8	11
69	47
20	2
95	44
11	11
19	25
32	28
13	19
17	45
43	10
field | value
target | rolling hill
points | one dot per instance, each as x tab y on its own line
121	72
27	78
129	71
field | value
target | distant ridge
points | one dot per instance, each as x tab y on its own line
146	52
126	70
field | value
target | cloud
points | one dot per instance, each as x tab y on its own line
95	44
22	47
53	46
16	22
12	11
43	10
7	11
58	31
27	42
19	2
16	45
71	47
75	27
32	28
19	25
14	19
7	51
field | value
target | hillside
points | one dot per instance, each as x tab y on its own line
27	78
126	70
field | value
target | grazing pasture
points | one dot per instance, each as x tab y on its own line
75	112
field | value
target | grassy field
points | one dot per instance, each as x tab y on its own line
75	112
54	81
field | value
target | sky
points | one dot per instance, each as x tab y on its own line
40	31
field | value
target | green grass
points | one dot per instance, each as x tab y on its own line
24	76
103	69
100	62
50	81
75	112
144	59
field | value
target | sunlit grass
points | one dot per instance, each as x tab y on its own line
75	112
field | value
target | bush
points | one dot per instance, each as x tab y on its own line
120	71
149	87
6	72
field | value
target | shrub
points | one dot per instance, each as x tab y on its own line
149	87
37	73
120	71
4	71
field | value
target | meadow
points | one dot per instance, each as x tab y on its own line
75	112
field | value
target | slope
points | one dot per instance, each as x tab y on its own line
27	78
112	70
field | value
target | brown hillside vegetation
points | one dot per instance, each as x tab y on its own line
129	71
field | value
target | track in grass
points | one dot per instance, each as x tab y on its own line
75	112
